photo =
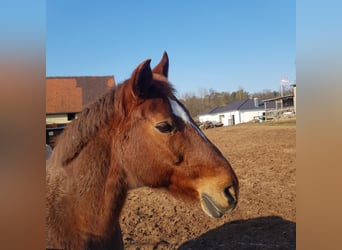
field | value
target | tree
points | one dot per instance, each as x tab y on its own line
208	99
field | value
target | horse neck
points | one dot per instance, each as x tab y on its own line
99	161
98	180
101	187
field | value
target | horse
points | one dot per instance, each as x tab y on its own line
137	134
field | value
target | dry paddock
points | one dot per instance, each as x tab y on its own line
263	156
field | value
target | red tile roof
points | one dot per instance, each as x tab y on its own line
71	94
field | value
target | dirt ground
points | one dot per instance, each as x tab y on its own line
263	157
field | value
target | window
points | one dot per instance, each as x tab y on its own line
71	116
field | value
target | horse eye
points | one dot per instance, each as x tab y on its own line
164	127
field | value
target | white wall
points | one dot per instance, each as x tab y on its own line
56	118
231	118
239	117
204	118
247	116
220	117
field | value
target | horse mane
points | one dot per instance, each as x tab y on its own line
78	133
112	105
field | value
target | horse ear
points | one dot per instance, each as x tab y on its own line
141	79
162	67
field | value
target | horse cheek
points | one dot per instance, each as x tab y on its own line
182	184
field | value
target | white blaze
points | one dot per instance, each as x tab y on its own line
178	110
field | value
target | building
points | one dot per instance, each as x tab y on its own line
240	111
253	109
281	106
67	96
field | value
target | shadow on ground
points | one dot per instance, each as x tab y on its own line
270	232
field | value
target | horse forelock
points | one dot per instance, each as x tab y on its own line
161	88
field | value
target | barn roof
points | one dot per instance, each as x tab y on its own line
239	105
70	94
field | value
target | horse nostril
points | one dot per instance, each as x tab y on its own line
230	194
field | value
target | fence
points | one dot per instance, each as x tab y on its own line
271	114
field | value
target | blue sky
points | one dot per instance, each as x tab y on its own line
221	44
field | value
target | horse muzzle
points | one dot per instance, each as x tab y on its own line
217	205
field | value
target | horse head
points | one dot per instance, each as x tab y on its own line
161	145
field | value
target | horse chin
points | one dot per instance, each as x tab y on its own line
211	208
